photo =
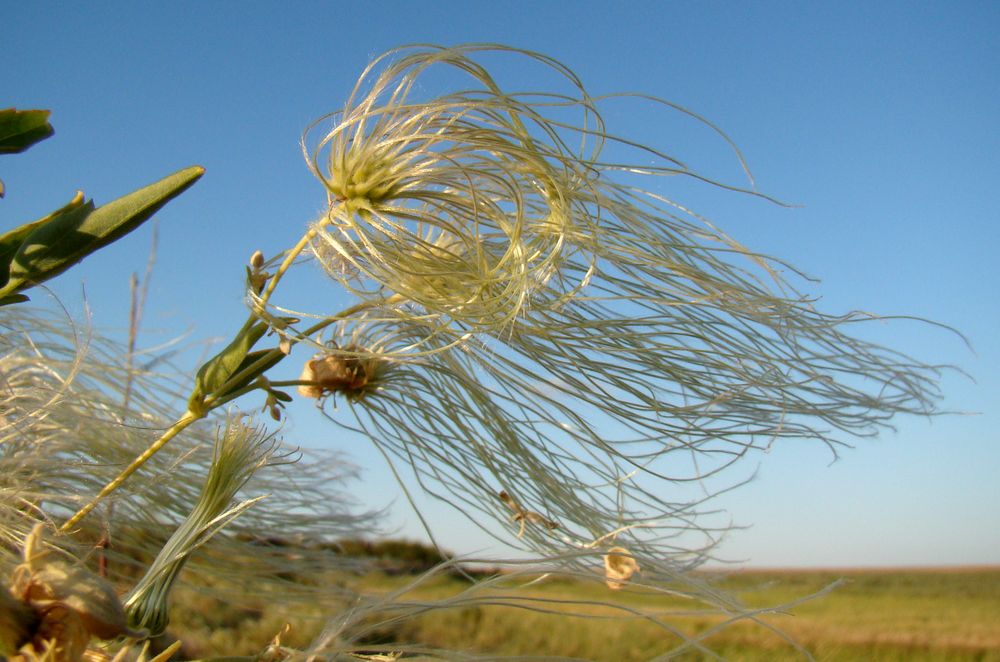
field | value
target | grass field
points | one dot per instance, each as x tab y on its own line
940	614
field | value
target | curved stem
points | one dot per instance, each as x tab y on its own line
293	253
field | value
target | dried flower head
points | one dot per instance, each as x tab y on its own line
69	605
351	372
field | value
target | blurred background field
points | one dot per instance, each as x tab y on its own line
877	614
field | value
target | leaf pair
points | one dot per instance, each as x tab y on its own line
234	368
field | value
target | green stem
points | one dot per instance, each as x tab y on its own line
294	253
183	422
212	403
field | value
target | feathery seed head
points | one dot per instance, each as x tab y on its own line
457	203
361	175
240	450
610	338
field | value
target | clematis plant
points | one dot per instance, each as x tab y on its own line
536	326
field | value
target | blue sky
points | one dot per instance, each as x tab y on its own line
879	121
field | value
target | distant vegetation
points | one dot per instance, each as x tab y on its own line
394	556
900	615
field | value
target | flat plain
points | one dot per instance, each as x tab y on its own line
877	614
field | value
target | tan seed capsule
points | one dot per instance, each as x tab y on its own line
309	375
349	375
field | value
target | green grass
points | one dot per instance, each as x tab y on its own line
872	615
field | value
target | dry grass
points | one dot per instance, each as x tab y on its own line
873	615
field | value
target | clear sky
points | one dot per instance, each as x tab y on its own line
881	121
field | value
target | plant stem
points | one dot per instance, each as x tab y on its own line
285	264
183	422
212	402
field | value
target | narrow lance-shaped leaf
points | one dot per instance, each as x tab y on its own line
10	242
70	236
267	363
216	372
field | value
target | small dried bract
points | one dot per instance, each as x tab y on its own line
275	652
619	566
257	260
377	657
521	515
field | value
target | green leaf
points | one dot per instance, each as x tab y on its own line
216	372
70	236
27	266
20	129
10	242
13	298
259	370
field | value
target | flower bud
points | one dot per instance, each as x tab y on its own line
257	260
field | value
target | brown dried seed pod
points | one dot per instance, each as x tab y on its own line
78	589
